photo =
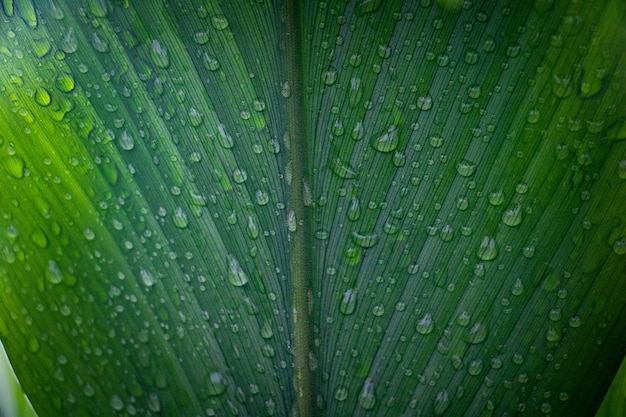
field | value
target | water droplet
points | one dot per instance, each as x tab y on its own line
518	287
466	168
552	335
214	384
292	225
53	273
476	334
116	403
236	275
488	249
386	141
39	238
425	325
126	141
446	233
378	310
210	63
341	169
329	76
14	165
365	240
441	402
355	60
358	131
65	82
575	322
356	91
425	102
619	247
201	37
562	85
146	277
367	396
219	22
89	234
195	117
239	176
475	367
513	216
471	56
348	302
474	91
285	90
354	211
69	44
99	44
533	116
341	393
262	198
42	97
180	218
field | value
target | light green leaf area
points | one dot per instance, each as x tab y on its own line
350	208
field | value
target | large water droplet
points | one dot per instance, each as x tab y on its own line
441	402
146	277
348	302
386	141
488	249
367	396
42	97
180	218
236	274
466	168
219	22
126	141
365	240
354	211
356	91
214	384
513	216
425	325
53	273
341	169
476	334
69	44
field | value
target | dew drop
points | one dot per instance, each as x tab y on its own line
210	63
42	97
358	131
512	217
219	22
367	396
518	287
475	367
291	221
488	249
354	211
425	102
329	76
441	402
99	44
116	403
146	277
341	393
365	241
341	169
69	44
126	141
619	247
201	37
262	198
466	168
425	325
195	117
348	302
356	91
236	275
214	384
180	218
386	141
476	334
53	272
239	175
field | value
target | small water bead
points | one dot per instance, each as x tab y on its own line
476	334
386	141
552	335
236	274
425	325
575	322
201	37
348	302
378	310
425	103
474	91
475	367
341	169
367	396
262	198
466	168
126	141
518	287
356	92
354	211
292	225
210	63
116	403
471	56
64	82
513	216
42	97
488	249
341	393
441	402
496	198
240	175
329	76
69	43
358	131
446	233
180	218
214	384
518	358
462	203
365	241
435	141
195	117
619	247
53	272
219	22
338	128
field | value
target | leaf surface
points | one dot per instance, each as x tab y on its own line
402	208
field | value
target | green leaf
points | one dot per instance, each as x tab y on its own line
313	208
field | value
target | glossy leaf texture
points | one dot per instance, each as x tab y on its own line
464	185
